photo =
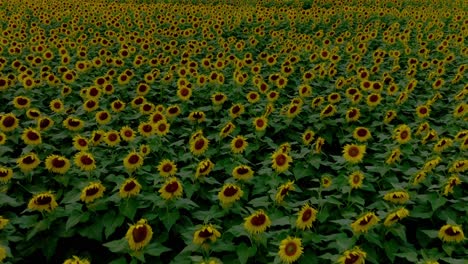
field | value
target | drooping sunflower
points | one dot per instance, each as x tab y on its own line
353	256
355	179
257	222
354	153
280	161
290	249
283	191
226	130
306	217
239	144
92	191
139	235
365	222
452	181
431	164
328	111
172	188
199	145
242	172
28	162
31	136
197	116
308	137
73	124
326	181
442	144
389	116
85	161
205	235
451	233
5	174
394	156
353	114
44	201
204	168
396	216
167	168
398	197
76	260
236	110
129	188
57	164
229	194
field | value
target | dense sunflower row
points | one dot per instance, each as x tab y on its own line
327	132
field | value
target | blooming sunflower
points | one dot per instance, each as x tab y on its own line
242	172
118	106
173	111
354	153
257	222
423	111
44	201
146	129
280	161
260	123
229	194
21	102
133	161
139	235
5	174
92	191
373	99
306	217
172	188
57	164
451	233
33	113
28	162
226	130
199	145
167	168
204	168
253	97
112	138
398	197
308	137
361	134
206	234
127	133
326	181
162	127
129	188
353	114
396	216
31	136
353	256
355	179
365	222
103	117
85	161
76	260
328	111
290	249
236	110
56	106
218	98
73	124
283	190
80	143
239	144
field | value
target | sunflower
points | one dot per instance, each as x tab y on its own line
44	201
394	156
80	143
389	116
31	136
354	153
422	128
197	116
5	174
280	161
3	222
334	98
218	98
172	188
204	168
236	110
257	222
396	216
308	137
85	161
173	111
398	197
402	134
260	123
305	217
239	144
199	146
28	162
184	93
361	134
283	190
353	114
146	129
451	233
57	164
97	136
112	138
226	130
162	127
91	105
431	164
326	181
373	99
353	256
92	191
118	106
139	235
442	144
103	117
206	234
460	110
229	194
127	133
8	122
129	188
365	222
242	172
423	111
56	106
290	249
167	168
459	166
76	260
355	179
33	113
253	97
73	124
451	182
328	111
133	161
430	136
21	102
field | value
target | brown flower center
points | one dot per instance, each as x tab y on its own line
362	132
172	187
199	144
134	159
86	160
8	121
73	122
162	127
103	116
239	143
353	151
139	233
290	249
280	159
258	220
351	258
449	231
129	186
242	170
92	191
29	160
306	215
58	163
230	191
44	123
366	220
205	233
31	135
43	200
167	167
404	134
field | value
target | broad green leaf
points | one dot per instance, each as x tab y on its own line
244	252
117	246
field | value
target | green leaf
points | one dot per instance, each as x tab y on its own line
260	202
300	171
244	252
75	218
7	200
399	231
156	249
111	222
454	261
42	225
169	218
410	256
282	221
437	202
391	247
129	207
117	246
448	248
119	261
431	233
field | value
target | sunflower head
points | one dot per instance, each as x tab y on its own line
92	191
139	235
43	202
290	249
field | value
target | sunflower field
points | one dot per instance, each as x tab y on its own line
214	132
